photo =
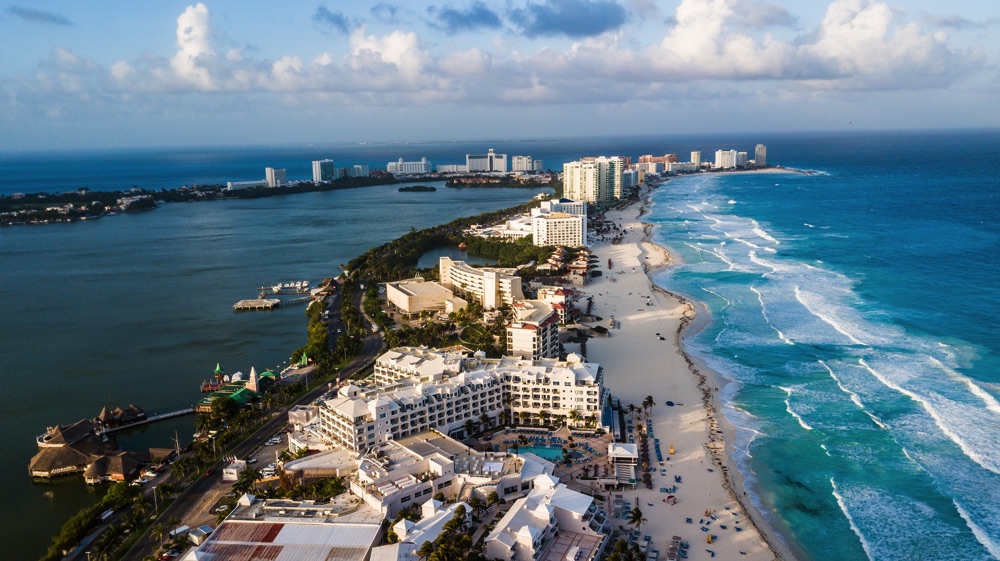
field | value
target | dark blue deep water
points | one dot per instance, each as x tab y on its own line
857	310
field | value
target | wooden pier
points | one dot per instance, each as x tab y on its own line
256	304
152	419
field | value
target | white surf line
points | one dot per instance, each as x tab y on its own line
719	295
850	521
718	254
762	234
763	312
989	400
854	396
982	536
788	407
828	320
938	420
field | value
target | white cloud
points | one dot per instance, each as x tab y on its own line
194	47
711	47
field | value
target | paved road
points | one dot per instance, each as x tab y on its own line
195	502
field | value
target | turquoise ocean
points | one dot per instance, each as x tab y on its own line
856	311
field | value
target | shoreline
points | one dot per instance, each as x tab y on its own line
691	325
703	435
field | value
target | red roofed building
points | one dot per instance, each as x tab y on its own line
534	331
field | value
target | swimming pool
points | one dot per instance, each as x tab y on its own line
551	454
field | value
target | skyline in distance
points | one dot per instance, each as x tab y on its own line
222	73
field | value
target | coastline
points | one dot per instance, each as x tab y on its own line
702	435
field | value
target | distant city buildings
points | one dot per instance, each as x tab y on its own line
525	164
409	168
491	162
760	156
323	171
275	177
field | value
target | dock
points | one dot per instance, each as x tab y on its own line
256	304
153	419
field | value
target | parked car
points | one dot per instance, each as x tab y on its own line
210	473
251	461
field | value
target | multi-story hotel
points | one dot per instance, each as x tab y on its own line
417	295
399	166
425	392
725	159
358	419
525	164
274	177
401	473
594	180
664	159
551	522
760	156
417	363
562	222
323	171
490	287
490	162
533	333
696	159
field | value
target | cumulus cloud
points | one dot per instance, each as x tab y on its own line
38	16
709	49
572	18
453	20
328	20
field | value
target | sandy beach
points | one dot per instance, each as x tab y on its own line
710	499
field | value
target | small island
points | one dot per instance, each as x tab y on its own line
417	189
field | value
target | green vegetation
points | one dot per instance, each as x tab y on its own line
118	495
398	259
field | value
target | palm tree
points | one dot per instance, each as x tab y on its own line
426	549
635	516
648	403
574	416
477	505
158	530
492	499
484	419
544	414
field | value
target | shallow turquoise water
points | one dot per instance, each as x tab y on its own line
856	311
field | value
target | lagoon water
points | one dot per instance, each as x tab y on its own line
138	308
856	309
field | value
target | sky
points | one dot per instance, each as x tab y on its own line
120	73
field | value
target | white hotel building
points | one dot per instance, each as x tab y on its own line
534	331
441	390
423	166
490	287
594	180
552	523
323	171
491	162
562	222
